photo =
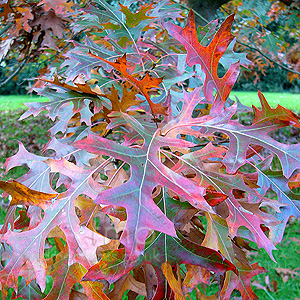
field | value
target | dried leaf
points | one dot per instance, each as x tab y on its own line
21	195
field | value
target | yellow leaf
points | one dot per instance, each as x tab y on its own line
23	195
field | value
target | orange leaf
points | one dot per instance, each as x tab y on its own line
294	182
144	85
27	15
25	196
194	276
173	282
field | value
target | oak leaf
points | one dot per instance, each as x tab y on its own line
21	195
146	173
159	249
133	19
144	85
208	57
173	282
279	113
241	282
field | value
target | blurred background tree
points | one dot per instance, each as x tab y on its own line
269	31
35	34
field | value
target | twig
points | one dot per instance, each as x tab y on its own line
250	47
51	57
5	28
269	58
195	12
15	72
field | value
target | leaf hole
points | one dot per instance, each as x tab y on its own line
104	225
54	245
221	71
288	135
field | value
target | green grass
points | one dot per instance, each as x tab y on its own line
287	100
280	286
14	102
290	101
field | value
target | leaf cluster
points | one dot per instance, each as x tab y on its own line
149	183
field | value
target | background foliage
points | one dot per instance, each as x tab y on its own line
267	30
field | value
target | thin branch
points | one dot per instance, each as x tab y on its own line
195	12
269	58
60	50
250	47
15	72
5	28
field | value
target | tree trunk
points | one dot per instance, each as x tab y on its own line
206	8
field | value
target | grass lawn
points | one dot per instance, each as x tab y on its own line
290	101
13	102
283	279
287	100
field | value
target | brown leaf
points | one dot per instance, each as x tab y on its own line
194	276
254	149
75	295
285	273
126	282
77	87
144	85
183	217
151	280
128	99
6	10
22	195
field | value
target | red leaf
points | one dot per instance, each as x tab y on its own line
208	57
272	114
213	197
241	282
82	244
22	221
147	172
